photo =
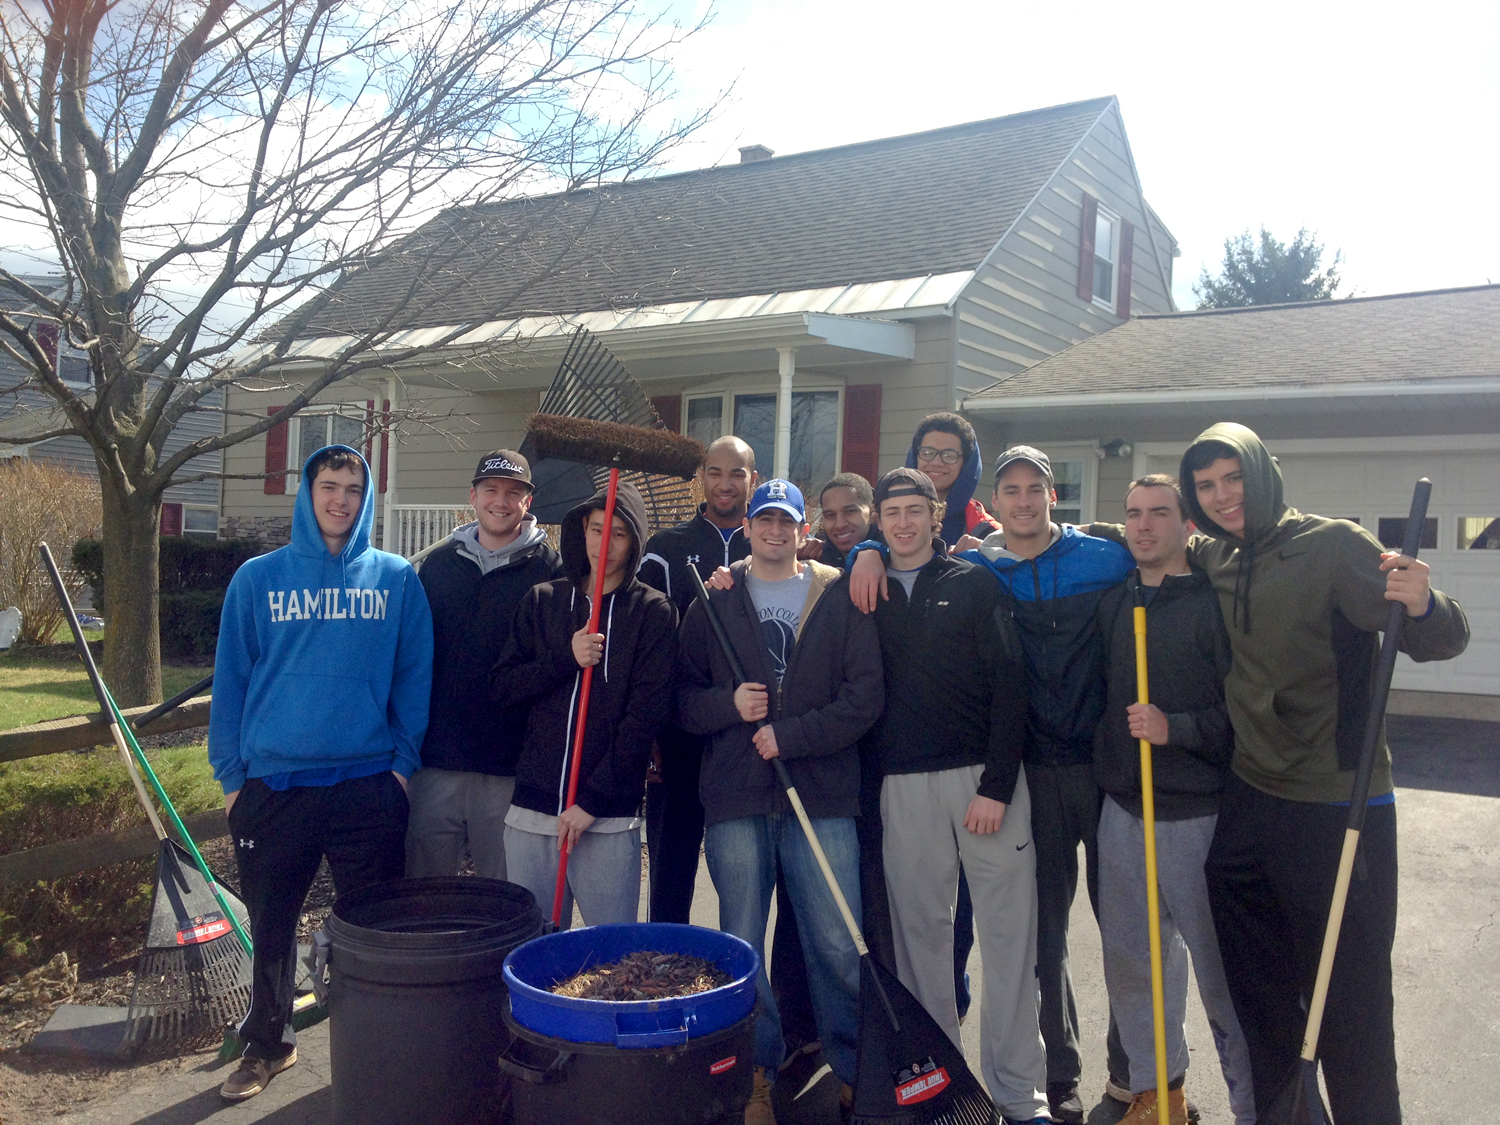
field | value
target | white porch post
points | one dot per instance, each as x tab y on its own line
788	368
388	539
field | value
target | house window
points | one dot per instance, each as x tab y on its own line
200	522
1104	258
1391	531
1067	478
752	418
1479	533
312	430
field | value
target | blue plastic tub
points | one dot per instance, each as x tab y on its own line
533	968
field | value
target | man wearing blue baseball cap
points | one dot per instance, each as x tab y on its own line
817	682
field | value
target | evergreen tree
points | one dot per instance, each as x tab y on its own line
1264	271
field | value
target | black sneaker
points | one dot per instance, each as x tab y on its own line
1064	1102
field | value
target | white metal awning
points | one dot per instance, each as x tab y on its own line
827	327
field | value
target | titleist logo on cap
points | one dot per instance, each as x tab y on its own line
500	465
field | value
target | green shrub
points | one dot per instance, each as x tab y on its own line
101	913
187	563
190	624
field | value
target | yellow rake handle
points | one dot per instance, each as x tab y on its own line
1153	910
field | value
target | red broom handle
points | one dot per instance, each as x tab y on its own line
600	564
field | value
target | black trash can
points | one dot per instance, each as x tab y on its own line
705	1081
417	998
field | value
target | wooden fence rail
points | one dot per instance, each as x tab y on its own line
58	736
52	861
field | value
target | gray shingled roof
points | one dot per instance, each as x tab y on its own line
930	202
1443	334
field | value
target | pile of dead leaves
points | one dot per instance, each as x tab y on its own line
45	986
644	976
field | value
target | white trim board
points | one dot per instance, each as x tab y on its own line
1172	396
1423	443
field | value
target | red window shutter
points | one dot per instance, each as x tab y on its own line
862	431
669	409
369	431
47	338
1127	243
171	519
1086	247
276	457
385	440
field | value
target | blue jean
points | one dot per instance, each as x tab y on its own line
742	856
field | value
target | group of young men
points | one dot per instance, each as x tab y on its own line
953	693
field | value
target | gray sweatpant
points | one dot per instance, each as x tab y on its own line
451	809
1187	929
924	841
604	874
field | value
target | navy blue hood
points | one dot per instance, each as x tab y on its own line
955	522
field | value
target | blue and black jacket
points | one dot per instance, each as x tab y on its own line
1054	598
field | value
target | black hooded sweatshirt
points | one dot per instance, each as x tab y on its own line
472	614
632	693
1187	658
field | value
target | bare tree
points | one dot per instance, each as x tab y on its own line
210	173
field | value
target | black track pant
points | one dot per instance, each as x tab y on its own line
674	827
1065	804
1270	881
279	840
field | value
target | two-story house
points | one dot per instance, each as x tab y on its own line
865	285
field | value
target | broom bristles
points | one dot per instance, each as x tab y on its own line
593	442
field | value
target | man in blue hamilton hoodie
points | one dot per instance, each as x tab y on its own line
321	687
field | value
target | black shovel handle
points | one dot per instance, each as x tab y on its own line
172	704
1385	665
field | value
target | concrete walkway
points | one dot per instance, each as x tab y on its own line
1447	968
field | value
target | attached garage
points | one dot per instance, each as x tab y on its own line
1357	399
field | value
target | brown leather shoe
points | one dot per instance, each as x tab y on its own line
1143	1109
252	1075
758	1109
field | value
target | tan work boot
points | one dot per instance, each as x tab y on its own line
1143	1109
758	1109
252	1075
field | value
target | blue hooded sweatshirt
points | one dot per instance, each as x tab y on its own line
962	515
324	661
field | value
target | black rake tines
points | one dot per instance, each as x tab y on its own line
592	383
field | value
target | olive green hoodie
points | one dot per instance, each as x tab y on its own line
1303	598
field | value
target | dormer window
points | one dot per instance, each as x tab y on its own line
1105	225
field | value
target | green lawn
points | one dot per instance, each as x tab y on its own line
35	688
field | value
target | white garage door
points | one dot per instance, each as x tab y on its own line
1375	486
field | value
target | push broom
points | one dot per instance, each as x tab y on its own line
194	973
1300	1101
1153	905
591	442
908	1071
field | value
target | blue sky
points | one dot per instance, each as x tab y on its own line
1373	125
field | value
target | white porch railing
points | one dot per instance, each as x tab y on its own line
418	526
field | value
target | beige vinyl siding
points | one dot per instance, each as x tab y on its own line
1023	304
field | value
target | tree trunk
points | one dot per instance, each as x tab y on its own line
132	564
